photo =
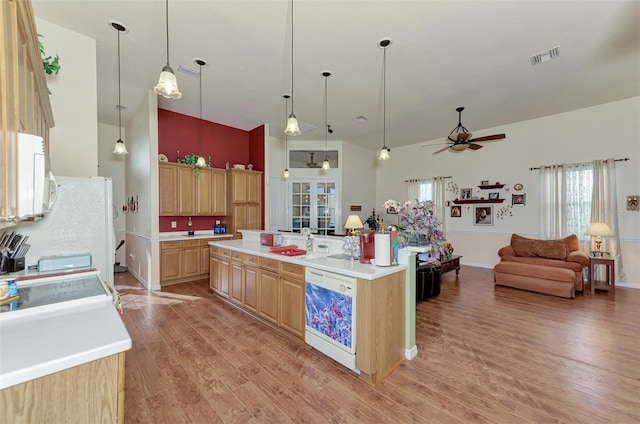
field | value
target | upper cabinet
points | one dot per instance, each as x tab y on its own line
24	98
245	200
183	193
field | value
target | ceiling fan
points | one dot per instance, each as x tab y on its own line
460	138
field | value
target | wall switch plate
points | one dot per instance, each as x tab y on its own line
174	224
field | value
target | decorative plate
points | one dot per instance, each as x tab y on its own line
162	158
518	187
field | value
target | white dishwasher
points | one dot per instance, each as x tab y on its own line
330	315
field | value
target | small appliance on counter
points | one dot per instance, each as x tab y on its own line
12	252
367	246
269	239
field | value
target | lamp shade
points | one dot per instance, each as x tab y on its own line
384	154
120	148
168	84
353	222
292	126
599	229
458	147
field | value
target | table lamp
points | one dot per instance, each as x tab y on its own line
353	223
599	230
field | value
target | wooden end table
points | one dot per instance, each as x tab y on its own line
450	264
610	282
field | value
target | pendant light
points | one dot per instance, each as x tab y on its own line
292	122
120	148
325	164
167	84
201	162
285	174
384	45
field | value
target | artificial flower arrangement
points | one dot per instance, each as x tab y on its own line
418	225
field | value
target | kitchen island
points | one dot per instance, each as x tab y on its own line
62	352
271	287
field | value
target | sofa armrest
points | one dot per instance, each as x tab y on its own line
506	251
579	257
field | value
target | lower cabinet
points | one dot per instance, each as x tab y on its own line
190	258
270	289
184	260
214	260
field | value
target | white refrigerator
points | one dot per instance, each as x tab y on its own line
80	221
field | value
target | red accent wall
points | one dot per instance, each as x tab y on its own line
177	132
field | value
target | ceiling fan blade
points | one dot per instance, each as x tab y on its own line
488	138
474	146
441	150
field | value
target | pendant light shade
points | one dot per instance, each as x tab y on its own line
201	162
285	174
119	148
325	164
292	122
384	45
167	84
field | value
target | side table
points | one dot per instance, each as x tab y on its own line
610	282
451	264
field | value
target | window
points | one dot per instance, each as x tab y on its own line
578	189
314	205
421	190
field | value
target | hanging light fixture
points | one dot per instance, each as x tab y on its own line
120	148
384	45
201	162
167	84
292	122
325	164
285	174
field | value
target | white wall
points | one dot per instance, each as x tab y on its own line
358	167
599	132
74	139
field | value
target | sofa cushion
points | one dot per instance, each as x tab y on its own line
537	271
572	241
550	249
574	266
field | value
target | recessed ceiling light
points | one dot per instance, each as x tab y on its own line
360	118
118	26
545	56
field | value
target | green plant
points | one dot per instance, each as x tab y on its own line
50	64
191	159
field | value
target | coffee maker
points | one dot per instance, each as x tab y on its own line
367	246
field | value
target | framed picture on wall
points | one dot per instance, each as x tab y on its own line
456	211
465	194
519	199
494	195
483	215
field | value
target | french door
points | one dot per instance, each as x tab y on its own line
314	204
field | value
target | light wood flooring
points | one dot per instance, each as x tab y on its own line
485	355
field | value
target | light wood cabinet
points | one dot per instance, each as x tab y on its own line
235	289
24	98
244	200
183	193
250	288
269	295
292	293
224	269
184	260
214	260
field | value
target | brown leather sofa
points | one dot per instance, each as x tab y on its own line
546	266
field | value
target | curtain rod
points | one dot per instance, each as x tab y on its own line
419	180
549	166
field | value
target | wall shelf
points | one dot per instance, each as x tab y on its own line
486	187
464	202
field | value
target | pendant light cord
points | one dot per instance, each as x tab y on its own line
384	98
167	26
119	100
291	56
286	141
326	126
200	109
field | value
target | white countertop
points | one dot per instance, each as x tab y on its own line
181	235
47	339
314	260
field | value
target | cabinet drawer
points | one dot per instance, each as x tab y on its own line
190	243
250	259
292	270
175	244
224	253
270	264
236	256
205	242
214	250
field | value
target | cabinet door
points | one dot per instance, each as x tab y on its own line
253	217
168	180
254	187
171	265
224	267
236	281
204	260
214	281
250	288
268	295
186	190
219	192
203	191
239	185
191	261
292	306
239	217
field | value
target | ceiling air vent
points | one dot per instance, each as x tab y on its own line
545	56
186	70
305	128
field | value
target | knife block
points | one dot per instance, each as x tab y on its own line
15	264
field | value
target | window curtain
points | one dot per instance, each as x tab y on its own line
604	208
578	194
552	207
439	200
412	190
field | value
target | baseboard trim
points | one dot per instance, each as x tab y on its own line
629	285
411	353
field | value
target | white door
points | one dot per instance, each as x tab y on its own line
314	205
